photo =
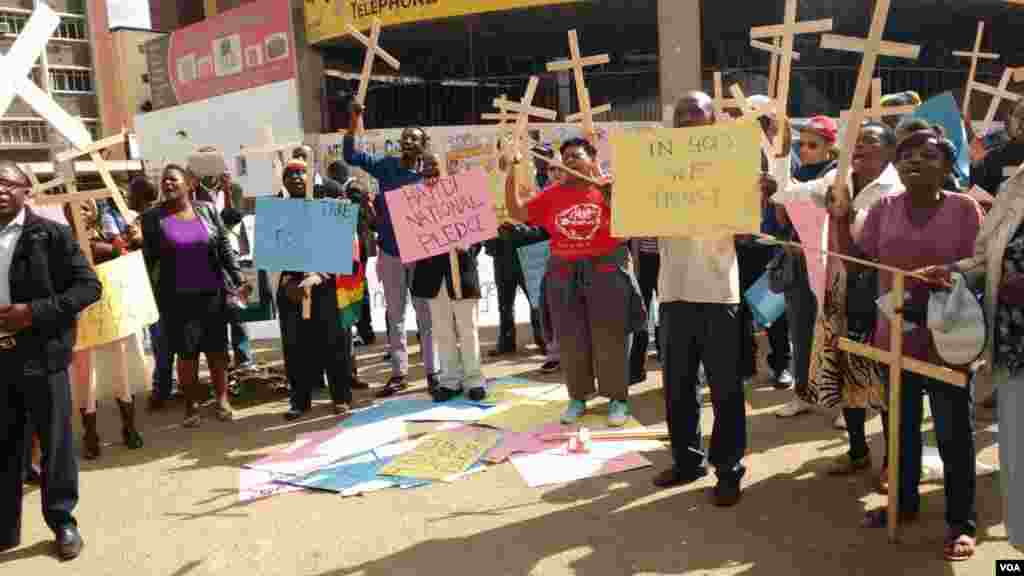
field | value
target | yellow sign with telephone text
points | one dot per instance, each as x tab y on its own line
126	306
687	181
327	19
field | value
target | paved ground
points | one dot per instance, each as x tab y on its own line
172	509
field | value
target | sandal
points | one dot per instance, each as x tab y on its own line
880	518
394	386
958	548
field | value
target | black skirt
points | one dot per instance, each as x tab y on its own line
196	322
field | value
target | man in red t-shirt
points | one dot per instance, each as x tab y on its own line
594	298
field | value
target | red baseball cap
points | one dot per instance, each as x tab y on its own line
824	127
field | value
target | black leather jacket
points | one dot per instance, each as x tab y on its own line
161	267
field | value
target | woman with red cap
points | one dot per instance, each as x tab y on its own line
818	153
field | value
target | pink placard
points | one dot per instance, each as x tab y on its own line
434	218
811	223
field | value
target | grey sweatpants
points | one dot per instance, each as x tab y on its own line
397	280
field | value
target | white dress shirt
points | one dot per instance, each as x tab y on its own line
9	236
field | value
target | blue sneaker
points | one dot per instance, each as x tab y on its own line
618	413
574	411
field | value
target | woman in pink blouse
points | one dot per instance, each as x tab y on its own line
925	226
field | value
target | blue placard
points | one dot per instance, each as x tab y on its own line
305	235
942	110
533	259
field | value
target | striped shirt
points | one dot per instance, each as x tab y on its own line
647	245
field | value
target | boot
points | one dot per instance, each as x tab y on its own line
131	436
91	440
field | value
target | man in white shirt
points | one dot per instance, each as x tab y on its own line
699	291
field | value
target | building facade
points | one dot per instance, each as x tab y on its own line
23	134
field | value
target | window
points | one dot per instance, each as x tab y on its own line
70	81
12	23
71	29
23	132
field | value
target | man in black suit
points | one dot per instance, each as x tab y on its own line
45	281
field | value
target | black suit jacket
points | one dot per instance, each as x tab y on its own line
50	273
162	270
432	272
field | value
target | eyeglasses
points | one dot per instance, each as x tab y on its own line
10	185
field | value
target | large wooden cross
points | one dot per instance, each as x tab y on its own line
576	63
774	49
998	93
974	56
524	109
373	50
877	111
787	31
267	147
17	65
872	47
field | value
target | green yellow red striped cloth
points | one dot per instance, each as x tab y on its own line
350	289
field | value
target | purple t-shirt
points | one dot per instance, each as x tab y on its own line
190	243
891	239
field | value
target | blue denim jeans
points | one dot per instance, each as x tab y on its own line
163	367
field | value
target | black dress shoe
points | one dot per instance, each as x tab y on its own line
394	386
433	383
638	377
676	477
497	353
69	543
477	394
293	414
726	493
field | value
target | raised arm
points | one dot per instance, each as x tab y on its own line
354	157
516	197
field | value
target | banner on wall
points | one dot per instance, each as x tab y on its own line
326	19
236	50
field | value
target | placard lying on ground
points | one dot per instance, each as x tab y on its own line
686	181
126	306
433	218
305	235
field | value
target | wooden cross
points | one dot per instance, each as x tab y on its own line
748	110
871	47
595	111
998	93
720	102
787	32
974	56
897	363
576	63
877	111
773	66
502	117
373	50
17	65
268	148
525	109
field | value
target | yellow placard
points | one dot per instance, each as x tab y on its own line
126	306
326	19
443	454
525	416
686	181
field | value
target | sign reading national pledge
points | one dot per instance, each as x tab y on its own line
687	181
305	235
432	218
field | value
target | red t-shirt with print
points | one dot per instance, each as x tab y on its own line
578	219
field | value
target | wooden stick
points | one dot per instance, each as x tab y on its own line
998	94
773	49
72	195
885	48
720	102
561	166
747	111
806	27
773	69
895	405
785	68
307	298
940	373
453	260
96	146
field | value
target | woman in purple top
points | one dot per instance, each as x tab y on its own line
192	268
925	226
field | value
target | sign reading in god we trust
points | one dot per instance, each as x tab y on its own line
305	235
432	218
126	306
686	181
